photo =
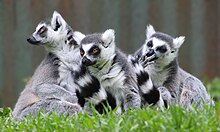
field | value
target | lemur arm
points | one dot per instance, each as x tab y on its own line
47	91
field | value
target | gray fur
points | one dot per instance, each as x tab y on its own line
187	89
50	105
166	96
164	37
92	38
43	89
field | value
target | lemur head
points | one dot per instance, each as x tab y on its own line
162	46
51	33
97	48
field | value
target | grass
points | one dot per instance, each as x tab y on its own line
173	119
213	86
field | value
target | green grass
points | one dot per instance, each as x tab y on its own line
213	87
172	119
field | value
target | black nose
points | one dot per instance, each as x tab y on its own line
32	40
87	62
150	53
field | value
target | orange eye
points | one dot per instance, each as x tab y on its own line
94	50
42	30
81	53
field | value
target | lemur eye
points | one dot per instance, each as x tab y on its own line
95	50
150	43
42	30
162	49
82	52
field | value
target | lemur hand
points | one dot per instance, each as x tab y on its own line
145	60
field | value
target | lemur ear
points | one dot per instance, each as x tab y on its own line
178	41
78	36
150	31
108	37
57	21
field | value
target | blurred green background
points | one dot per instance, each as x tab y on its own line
198	20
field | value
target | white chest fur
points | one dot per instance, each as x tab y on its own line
112	79
158	75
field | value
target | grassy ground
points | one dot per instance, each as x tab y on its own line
172	119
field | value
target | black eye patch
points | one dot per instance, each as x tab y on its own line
150	43
94	50
42	30
82	52
161	49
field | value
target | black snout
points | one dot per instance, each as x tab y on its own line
32	40
87	62
150	53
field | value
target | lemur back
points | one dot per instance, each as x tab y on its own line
165	71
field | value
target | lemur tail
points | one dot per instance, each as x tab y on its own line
149	93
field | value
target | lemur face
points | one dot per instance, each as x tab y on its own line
162	46
51	32
157	48
90	53
97	48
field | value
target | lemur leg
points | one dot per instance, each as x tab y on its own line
190	93
50	105
87	108
132	99
47	91
118	106
166	96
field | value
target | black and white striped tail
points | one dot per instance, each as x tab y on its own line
150	94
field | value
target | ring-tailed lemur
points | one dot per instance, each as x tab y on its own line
72	75
111	67
52	86
165	71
